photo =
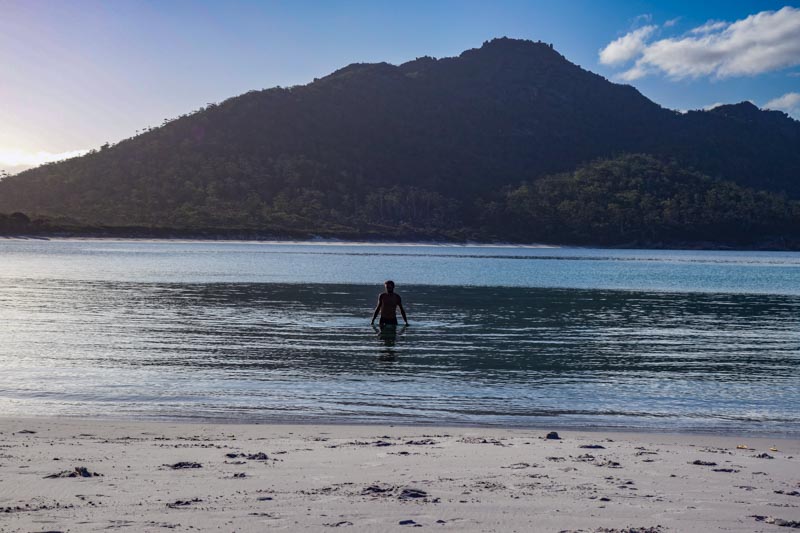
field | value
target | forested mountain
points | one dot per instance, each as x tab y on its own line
492	144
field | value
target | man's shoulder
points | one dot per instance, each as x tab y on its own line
393	296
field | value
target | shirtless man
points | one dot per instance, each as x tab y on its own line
388	302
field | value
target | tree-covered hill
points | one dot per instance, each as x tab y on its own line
454	146
637	199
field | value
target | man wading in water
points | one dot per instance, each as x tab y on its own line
388	302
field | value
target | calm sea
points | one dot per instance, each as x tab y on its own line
515	336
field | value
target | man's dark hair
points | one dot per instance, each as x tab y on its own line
388	282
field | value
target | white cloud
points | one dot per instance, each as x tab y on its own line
626	47
786	101
712	106
710	26
789	102
671	22
766	41
634	73
21	159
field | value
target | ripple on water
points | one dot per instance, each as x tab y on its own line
167	341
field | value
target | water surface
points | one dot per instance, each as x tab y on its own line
499	335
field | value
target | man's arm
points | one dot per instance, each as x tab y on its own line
377	309
402	311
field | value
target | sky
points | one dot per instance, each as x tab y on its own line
77	74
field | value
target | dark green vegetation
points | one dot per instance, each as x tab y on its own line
637	199
481	146
15	222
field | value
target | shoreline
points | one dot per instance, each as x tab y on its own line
290	241
153	476
740	433
233	237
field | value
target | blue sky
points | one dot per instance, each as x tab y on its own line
76	74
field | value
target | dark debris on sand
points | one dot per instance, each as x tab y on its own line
183	503
481	440
405	494
28	508
184	464
378	489
421	442
793	524
655	529
79	471
519	466
412	494
378	443
260	456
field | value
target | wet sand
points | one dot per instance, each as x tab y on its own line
60	474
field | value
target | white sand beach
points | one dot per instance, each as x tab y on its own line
61	474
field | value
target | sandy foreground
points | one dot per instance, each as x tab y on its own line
87	475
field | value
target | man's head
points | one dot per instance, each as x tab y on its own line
389	284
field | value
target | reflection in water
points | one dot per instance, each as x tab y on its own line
388	334
270	351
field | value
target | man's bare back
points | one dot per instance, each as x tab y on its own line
389	303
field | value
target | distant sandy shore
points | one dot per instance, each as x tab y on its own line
303	242
84	475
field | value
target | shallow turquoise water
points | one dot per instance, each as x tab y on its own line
499	335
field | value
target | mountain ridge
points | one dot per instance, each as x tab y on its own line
453	134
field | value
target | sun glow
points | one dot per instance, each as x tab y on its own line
22	158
